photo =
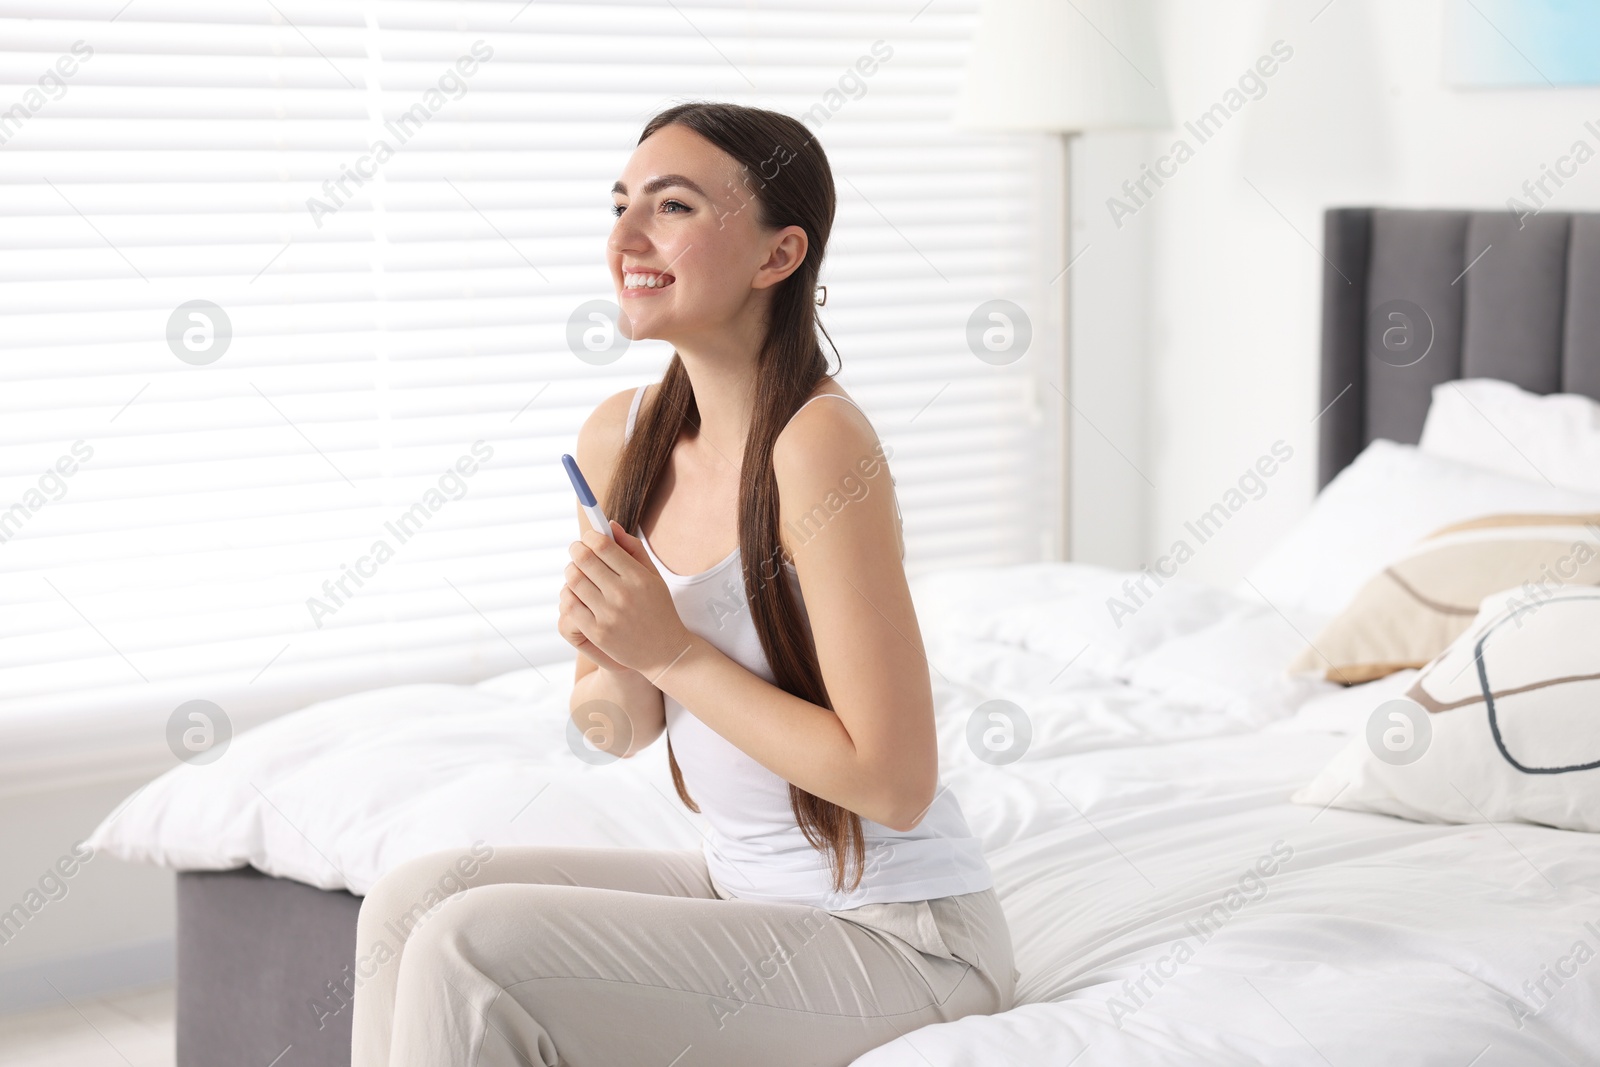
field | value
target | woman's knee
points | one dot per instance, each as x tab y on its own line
477	931
408	892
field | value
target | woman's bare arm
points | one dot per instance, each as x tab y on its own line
878	756
641	703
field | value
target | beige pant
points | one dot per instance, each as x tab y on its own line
610	957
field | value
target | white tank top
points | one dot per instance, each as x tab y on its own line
755	849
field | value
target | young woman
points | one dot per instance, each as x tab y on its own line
839	900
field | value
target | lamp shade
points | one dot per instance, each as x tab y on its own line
1064	66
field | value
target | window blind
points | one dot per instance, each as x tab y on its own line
285	291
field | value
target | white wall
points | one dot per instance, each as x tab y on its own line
1231	306
111	923
1111	474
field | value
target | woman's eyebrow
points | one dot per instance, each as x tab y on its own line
656	184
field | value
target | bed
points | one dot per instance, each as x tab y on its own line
1168	903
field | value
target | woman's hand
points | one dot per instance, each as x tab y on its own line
615	608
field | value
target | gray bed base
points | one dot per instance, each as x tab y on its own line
264	971
264	964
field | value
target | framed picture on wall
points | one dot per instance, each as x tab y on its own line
1497	44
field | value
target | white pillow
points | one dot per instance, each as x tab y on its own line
1498	426
1388	498
1504	725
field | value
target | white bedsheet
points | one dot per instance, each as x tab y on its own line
1375	941
1156	778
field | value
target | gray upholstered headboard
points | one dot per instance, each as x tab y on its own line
1412	298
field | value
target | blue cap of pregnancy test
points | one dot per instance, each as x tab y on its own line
579	485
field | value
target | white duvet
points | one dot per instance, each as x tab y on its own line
1168	905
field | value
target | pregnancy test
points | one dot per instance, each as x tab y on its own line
591	506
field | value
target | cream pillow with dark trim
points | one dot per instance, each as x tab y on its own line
1503	726
1410	611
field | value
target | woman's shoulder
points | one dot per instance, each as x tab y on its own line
827	387
609	417
821	424
826	445
600	438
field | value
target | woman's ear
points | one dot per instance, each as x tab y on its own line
786	255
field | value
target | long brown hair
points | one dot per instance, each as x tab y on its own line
787	176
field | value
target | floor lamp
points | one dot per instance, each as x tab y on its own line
1063	67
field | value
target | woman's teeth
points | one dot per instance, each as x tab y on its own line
646	281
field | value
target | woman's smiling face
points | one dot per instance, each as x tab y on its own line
687	221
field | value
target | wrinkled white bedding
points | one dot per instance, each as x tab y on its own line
1152	796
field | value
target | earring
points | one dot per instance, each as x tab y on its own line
821	296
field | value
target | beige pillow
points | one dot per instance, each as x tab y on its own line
1410	612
